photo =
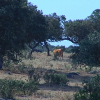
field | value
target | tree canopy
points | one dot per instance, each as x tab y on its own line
22	23
88	39
12	25
54	27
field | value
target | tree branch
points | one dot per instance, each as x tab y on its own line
69	39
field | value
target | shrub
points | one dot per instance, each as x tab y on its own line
8	88
29	87
54	78
33	75
90	91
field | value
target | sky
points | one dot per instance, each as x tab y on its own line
72	9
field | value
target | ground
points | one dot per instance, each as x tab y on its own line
54	92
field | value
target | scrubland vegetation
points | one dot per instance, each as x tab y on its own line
41	77
26	74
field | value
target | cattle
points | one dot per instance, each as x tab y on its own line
58	52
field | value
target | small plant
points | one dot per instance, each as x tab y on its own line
51	65
88	68
54	78
68	66
34	75
90	91
21	68
29	88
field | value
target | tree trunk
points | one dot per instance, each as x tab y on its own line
48	51
1	62
1	58
32	49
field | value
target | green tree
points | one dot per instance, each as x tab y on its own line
12	25
21	23
95	19
48	29
54	28
35	27
88	51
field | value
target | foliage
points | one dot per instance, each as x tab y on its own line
60	47
90	91
54	26
69	49
12	24
29	87
35	26
88	39
9	88
34	75
95	19
21	23
54	78
43	48
77	30
88	51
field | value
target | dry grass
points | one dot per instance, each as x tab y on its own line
46	92
40	60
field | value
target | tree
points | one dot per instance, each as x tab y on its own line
88	51
95	19
54	29
50	29
21	23
12	25
36	27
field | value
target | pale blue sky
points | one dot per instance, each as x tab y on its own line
72	9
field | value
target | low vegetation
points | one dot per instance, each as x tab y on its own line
90	90
10	87
54	78
45	73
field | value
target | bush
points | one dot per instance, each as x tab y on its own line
29	87
88	51
33	75
54	78
90	91
8	88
